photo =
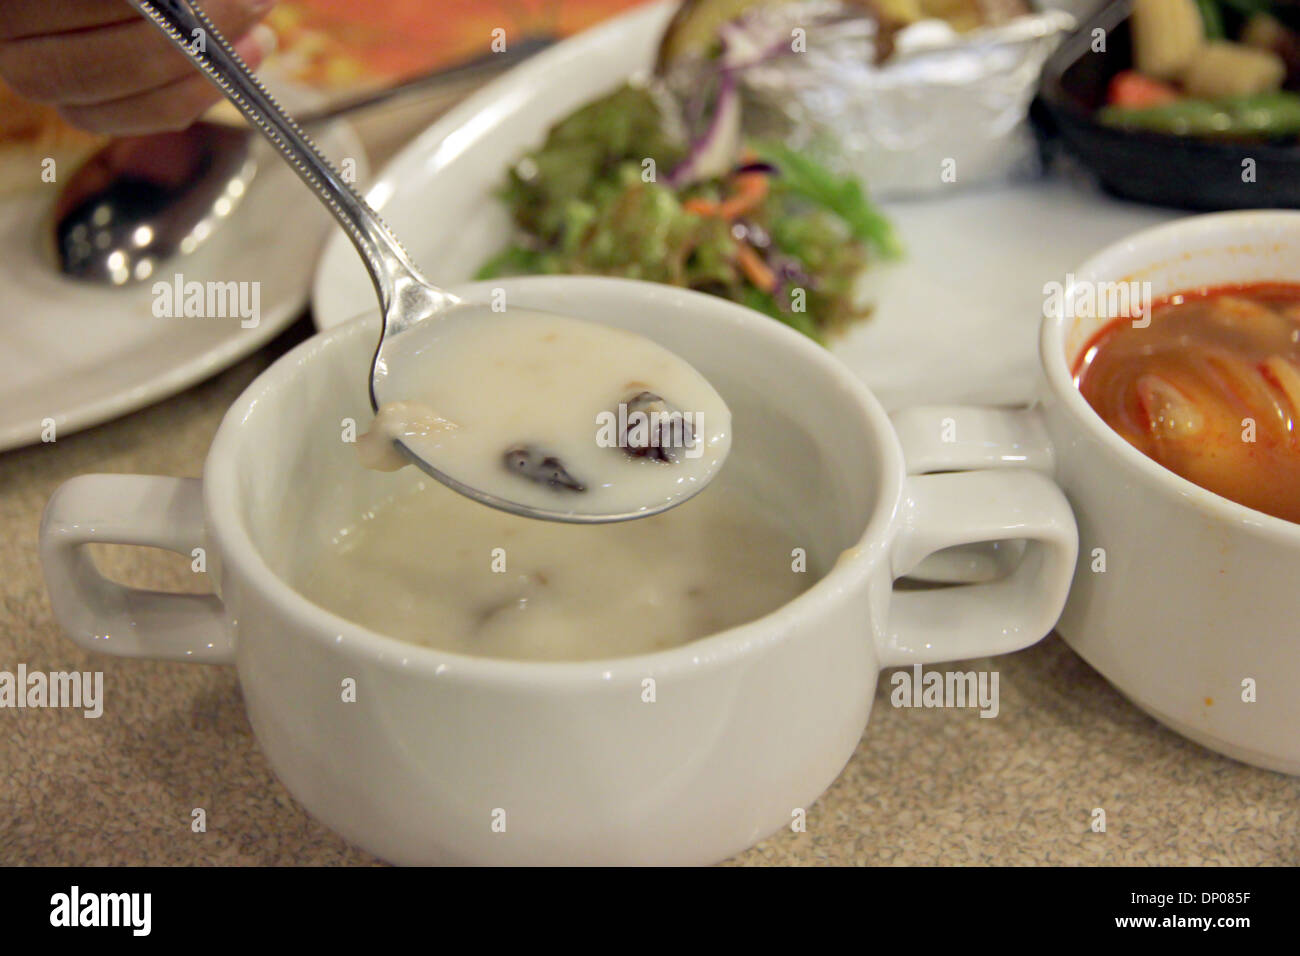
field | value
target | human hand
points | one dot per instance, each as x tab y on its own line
107	69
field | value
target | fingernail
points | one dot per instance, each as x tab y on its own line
249	50
256	45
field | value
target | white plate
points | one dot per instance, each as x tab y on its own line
81	354
956	320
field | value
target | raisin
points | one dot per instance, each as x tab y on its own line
541	468
665	435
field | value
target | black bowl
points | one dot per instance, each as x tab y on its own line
1178	171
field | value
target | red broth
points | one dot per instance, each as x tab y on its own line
1210	389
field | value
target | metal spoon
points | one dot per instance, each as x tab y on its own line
144	200
407	301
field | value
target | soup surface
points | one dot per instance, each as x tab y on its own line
435	568
1210	389
552	412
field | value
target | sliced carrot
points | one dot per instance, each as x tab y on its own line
755	269
701	207
1133	89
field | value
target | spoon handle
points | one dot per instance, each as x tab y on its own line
194	34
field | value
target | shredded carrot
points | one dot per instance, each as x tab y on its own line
755	269
701	207
751	190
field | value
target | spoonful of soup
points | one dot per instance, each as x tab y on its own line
530	410
538	414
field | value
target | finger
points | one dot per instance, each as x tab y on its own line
27	18
111	62
170	107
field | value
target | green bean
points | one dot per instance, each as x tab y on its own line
1268	114
1181	118
1257	115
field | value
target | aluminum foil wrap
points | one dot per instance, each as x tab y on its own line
942	110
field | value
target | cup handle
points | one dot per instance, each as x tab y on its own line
969	437
977	620
965	438
101	615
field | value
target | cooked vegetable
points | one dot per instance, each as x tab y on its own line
966	15
1181	118
1233	69
899	13
1133	89
693	30
1263	32
1193	79
1264	114
1167	35
961	15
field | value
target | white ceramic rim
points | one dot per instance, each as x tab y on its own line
1194	231
463	124
199	366
848	574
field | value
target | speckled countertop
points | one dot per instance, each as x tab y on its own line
938	786
925	786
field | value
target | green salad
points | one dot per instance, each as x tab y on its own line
611	193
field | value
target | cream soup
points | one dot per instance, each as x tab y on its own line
553	412
437	569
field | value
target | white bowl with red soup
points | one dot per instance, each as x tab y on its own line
1170	415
